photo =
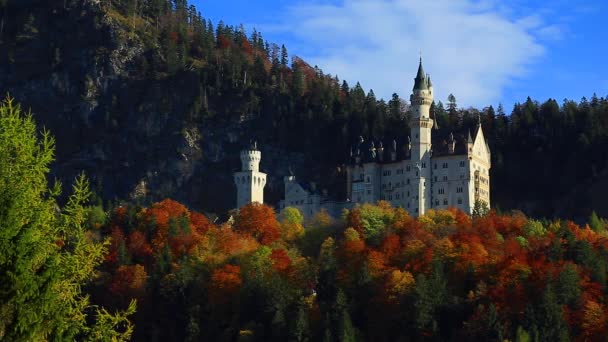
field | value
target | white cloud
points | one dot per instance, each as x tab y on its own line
472	49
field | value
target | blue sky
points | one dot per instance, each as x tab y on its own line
482	51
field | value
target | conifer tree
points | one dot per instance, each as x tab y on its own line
45	254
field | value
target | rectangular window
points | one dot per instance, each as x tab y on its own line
460	201
445	202
445	178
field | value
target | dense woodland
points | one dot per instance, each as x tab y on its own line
72	270
376	274
77	272
552	153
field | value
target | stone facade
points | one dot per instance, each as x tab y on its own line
250	181
425	173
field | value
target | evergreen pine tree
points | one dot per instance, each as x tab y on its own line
45	255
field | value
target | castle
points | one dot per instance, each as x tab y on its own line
426	173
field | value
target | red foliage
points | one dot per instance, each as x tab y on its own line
117	239
280	260
174	36
223	42
391	246
139	246
246	47
260	221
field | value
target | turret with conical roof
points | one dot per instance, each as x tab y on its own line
421	124
420	82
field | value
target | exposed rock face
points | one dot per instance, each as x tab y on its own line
86	81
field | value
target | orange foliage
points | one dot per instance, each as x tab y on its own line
129	281
376	263
354	220
199	222
225	283
594	322
260	221
163	211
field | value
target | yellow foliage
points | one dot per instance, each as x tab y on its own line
399	283
321	220
413	247
350	234
445	248
291	231
437	218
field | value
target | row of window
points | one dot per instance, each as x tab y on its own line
445	201
446	165
256	180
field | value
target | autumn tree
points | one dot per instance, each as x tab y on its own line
258	220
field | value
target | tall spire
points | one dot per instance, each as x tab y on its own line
420	82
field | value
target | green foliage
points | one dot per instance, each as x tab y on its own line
431	294
596	223
291	215
534	228
375	219
567	286
45	254
550	319
522	335
480	209
96	216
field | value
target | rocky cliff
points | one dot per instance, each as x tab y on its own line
87	80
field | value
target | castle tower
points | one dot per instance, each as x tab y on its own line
421	124
250	181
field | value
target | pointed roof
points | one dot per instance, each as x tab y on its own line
420	82
421	73
469	139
